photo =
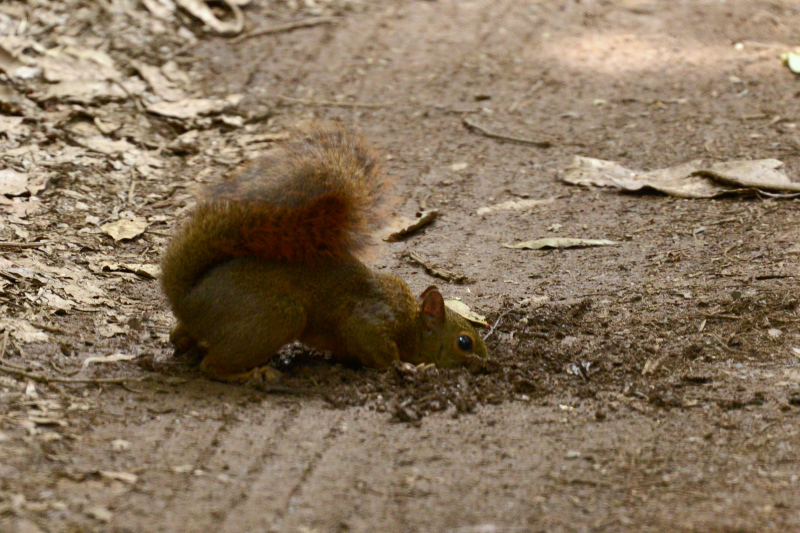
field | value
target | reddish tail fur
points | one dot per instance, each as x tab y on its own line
317	198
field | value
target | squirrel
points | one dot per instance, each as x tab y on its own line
270	258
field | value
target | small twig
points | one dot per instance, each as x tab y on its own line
130	389
61	370
604	293
131	190
767	426
5	343
496	322
11	365
329	103
440	273
137	104
724	221
283	389
41	378
785	196
707	315
492	135
159	233
180	50
9	244
283	28
729	248
51	329
723	345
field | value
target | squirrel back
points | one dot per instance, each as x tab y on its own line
317	198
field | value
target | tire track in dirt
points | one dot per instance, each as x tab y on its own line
298	488
228	468
151	440
402	477
279	472
198	464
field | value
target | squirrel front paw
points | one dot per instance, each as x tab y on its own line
181	339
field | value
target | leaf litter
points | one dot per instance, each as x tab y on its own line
560	242
125	228
694	179
402	227
122	166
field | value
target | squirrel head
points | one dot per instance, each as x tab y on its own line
448	339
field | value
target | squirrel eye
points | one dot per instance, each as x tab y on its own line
465	342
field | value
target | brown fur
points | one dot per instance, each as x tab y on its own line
317	198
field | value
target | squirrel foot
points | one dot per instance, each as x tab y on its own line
181	339
262	376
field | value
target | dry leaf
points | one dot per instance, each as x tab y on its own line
247	139
88	292
99	513
694	179
165	88
47	421
189	107
402	226
30	391
120	445
8	62
109	330
161	9
9	124
560	242
23	331
57	302
126	228
125	477
675	181
37	184
459	307
106	146
792	61
202	11
82	92
513	205
71	63
108	359
185	143
14	102
761	174
140	269
13	183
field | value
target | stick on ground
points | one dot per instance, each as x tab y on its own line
492	135
328	103
41	378
282	28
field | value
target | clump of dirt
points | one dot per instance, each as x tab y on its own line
563	349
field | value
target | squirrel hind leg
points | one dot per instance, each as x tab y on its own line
238	322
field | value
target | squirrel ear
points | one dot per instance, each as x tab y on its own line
432	307
428	291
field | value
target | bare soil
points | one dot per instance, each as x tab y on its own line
649	386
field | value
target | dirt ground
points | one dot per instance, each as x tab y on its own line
649	386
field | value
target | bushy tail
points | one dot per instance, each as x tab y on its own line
318	198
